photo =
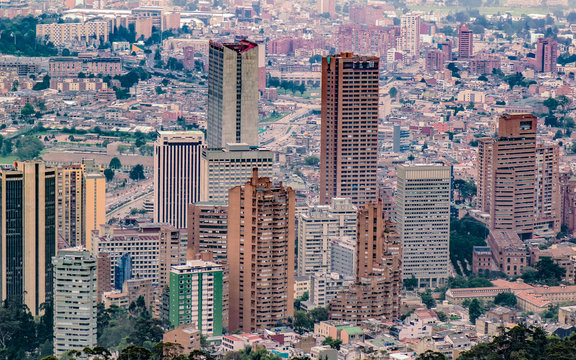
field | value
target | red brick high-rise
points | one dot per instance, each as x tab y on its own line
261	245
546	55
465	42
349	138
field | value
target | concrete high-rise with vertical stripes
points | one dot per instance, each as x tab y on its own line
177	175
423	217
261	244
349	130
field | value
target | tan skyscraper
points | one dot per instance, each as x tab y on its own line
349	138
232	94
28	231
517	179
177	175
81	200
376	291
261	240
410	34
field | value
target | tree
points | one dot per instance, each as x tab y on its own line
137	173
28	148
312	161
547	272
333	343
81	75
133	352
475	310
431	355
393	92
507	299
115	163
552	104
411	284
427	299
27	110
466	189
109	174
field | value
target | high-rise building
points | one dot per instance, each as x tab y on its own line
410	34
434	60
423	217
261	241
154	249
122	271
318	228
343	256
349	132
196	294
375	293
232	166
327	6
75	313
446	47
568	201
81	202
546	55
518	181
232	94
178	175
28	230
465	42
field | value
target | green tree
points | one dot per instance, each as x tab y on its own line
428	299
547	272
411	283
27	110
312	160
133	352
28	148
137	173
333	343
393	92
109	174
475	310
115	163
507	299
431	355
552	104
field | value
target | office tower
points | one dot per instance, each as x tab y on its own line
465	42
28	230
423	217
81	202
261	240
104	275
122	271
154	248
548	213
177	175
327	6
506	174
75	313
196	296
232	94
434	60
232	166
410	34
446	48
375	293
318	227
546	55
349	132
208	231
343	256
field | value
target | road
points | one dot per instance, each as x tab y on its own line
134	202
279	132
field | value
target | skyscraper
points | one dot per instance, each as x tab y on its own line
177	175
327	6
517	179
375	293
75	313
261	241
28	230
196	294
318	228
232	94
349	132
465	42
546	55
410	34
434	60
423	217
81	202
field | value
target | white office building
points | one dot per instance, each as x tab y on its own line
75	314
423	217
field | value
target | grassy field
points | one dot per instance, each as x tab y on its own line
514	11
8	159
274	117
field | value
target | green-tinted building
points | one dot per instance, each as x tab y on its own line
196	296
